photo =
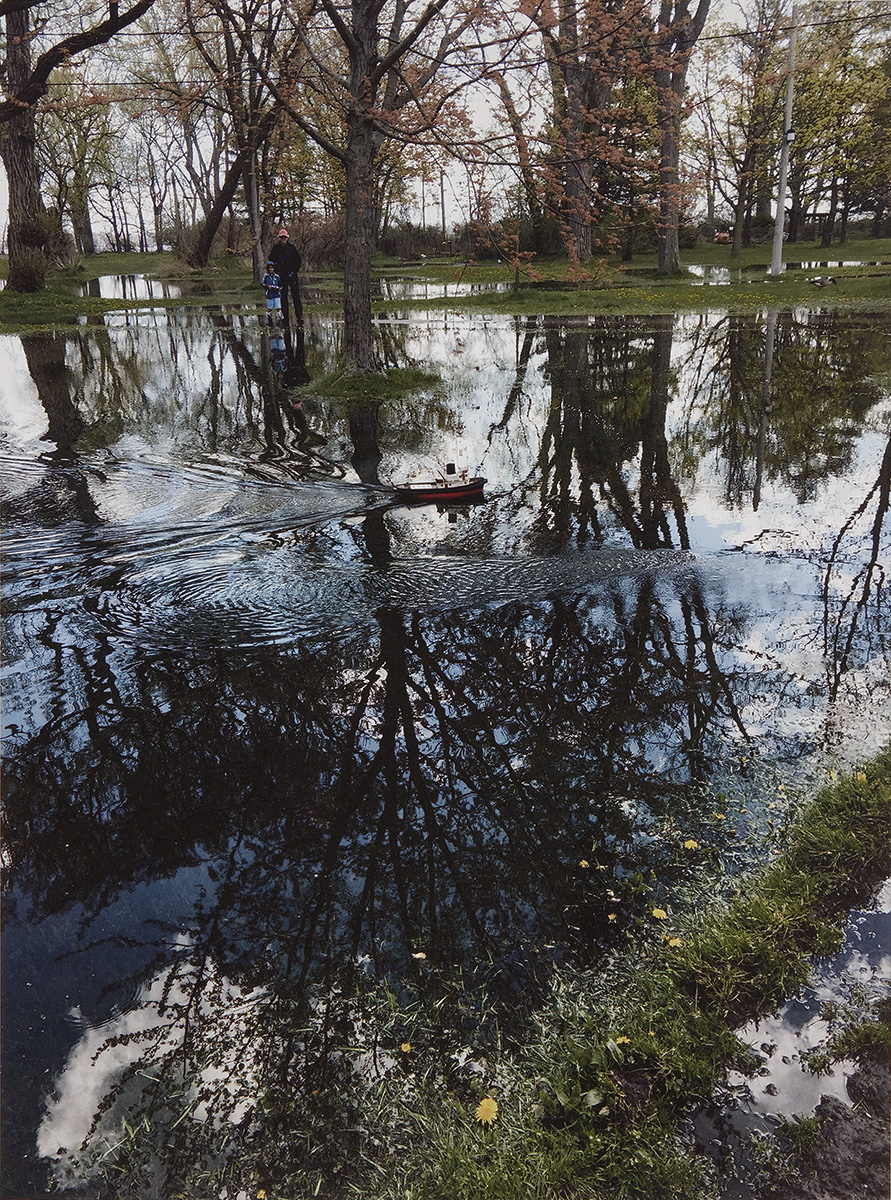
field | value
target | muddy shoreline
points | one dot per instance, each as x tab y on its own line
852	1157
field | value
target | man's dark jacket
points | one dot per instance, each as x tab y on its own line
287	260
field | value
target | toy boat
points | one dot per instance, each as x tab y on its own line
458	490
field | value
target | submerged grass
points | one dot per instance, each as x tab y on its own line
365	389
587	1098
592	1104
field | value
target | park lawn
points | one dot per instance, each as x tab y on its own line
861	269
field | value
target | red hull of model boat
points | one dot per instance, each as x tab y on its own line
461	491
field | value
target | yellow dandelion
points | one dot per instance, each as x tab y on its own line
719	816
583	862
611	917
673	941
660	914
487	1110
405	1047
261	1195
622	1041
691	844
860	777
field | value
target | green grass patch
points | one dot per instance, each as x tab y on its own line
430	1093
548	287
612	1064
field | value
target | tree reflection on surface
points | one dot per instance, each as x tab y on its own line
268	735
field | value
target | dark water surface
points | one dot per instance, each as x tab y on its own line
261	723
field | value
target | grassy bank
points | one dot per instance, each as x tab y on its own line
863	281
591	1106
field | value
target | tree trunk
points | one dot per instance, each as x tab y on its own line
27	236
845	210
252	201
577	180
671	95
829	223
360	216
795	213
199	255
524	158
742	204
678	31
80	223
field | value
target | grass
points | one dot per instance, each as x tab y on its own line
616	1059
592	1090
612	287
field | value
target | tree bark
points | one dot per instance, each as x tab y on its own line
80	221
671	96
360	226
252	201
199	254
27	237
678	32
829	224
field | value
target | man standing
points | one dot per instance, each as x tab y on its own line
287	263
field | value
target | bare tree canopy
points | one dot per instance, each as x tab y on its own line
25	95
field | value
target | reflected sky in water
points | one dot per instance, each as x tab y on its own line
261	722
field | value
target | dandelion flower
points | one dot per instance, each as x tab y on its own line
261	1195
691	844
660	914
405	1047
860	777
622	1041
611	917
584	862
487	1110
673	941
719	816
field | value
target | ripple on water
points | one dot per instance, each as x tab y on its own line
242	597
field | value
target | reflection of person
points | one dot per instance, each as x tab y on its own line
287	261
278	355
297	420
272	286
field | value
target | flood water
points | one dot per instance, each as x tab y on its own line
262	724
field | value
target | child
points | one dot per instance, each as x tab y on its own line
272	286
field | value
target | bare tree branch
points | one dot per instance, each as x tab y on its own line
38	81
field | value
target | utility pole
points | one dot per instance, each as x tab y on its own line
776	263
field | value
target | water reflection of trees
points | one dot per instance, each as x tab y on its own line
470	754
854	577
803	431
437	787
435	792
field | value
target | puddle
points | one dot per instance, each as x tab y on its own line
130	287
783	1086
250	700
